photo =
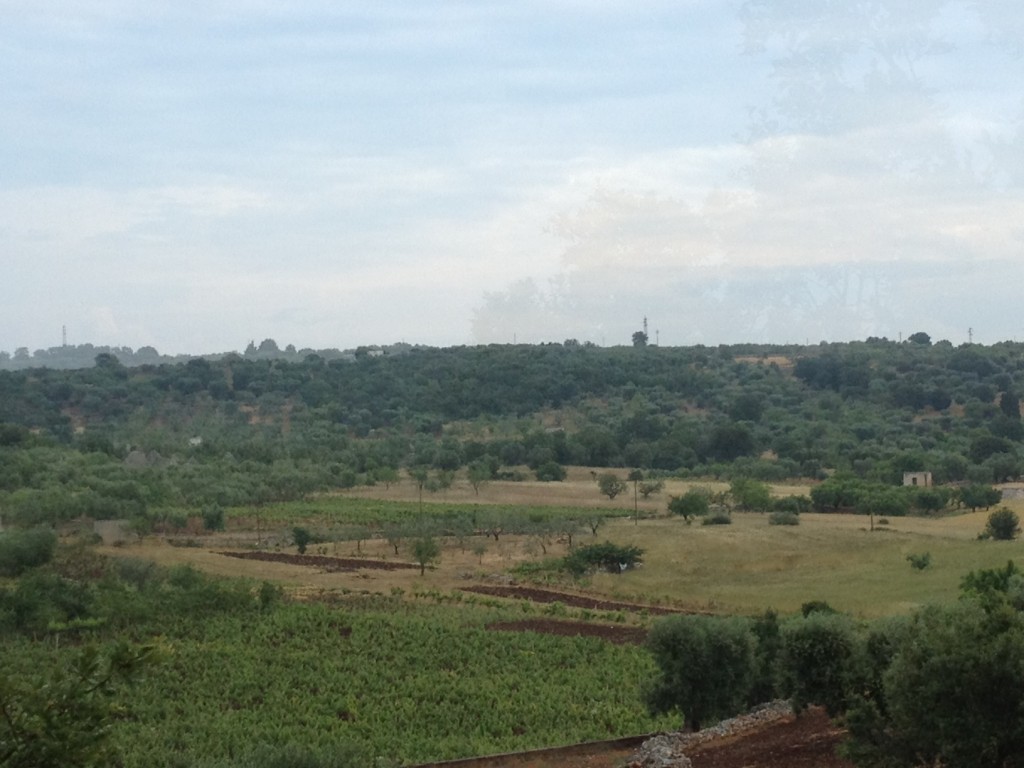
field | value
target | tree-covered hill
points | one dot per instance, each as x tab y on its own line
258	425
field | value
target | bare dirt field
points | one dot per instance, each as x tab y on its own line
328	564
807	741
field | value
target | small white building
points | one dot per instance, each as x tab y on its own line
920	479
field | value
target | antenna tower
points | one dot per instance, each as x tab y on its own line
645	326
63	335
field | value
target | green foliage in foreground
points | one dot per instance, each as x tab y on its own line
939	688
252	680
64	719
950	695
706	667
21	550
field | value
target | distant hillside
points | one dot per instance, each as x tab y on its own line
266	425
70	357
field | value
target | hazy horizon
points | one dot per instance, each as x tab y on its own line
333	175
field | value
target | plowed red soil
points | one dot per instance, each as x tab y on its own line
808	741
618	635
321	561
575	601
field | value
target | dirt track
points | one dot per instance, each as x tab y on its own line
322	561
575	601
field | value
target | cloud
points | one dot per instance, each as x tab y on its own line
342	173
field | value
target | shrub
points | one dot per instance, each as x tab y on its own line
549	471
1003	524
21	550
783	518
213	518
919	562
816	606
610	557
794	504
718	518
302	538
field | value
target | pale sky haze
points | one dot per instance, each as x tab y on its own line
332	174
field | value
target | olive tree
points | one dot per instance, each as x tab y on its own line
425	550
694	503
706	667
950	695
610	484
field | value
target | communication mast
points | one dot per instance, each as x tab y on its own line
63	335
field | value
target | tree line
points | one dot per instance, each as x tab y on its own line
245	428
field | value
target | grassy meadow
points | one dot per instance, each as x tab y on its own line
744	567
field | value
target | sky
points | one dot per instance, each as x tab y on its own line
334	173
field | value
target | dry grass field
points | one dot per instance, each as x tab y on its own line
745	567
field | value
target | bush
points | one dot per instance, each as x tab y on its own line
213	518
718	518
21	550
783	518
794	504
1003	524
302	538
919	562
610	557
549	471
816	606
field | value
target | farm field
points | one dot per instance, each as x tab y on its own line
742	568
483	653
